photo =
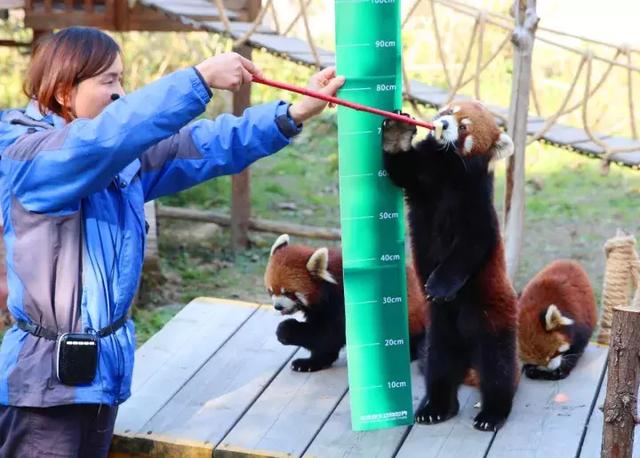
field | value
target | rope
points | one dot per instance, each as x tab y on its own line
305	20
619	276
482	19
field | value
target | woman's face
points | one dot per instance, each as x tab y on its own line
92	95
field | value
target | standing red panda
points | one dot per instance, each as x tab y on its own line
306	279
459	256
556	316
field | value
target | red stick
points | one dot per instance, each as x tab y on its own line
337	101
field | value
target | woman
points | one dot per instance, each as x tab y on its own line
77	166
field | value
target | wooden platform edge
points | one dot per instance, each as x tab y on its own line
602	385
129	446
238	452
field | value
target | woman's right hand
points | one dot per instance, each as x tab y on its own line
227	71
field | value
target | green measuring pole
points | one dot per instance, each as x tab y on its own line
368	52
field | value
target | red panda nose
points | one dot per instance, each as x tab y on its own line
445	124
278	307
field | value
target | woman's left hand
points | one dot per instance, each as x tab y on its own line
326	82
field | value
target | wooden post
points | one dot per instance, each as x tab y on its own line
620	405
241	183
526	22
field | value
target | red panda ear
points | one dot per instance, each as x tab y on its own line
318	265
554	319
502	148
280	242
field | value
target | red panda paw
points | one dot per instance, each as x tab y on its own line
397	136
433	413
486	421
286	331
443	288
308	365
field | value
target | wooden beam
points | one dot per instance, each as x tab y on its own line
241	183
621	403
255	224
523	38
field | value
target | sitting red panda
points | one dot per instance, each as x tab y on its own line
557	313
459	256
306	279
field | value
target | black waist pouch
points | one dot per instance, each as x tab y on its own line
76	358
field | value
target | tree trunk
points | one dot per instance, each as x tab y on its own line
620	406
526	22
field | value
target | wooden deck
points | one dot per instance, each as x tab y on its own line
215	381
296	50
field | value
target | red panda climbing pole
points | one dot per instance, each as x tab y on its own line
369	56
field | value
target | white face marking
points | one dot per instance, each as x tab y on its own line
564	347
468	144
448	135
302	298
455	109
283	304
466	122
554	363
281	290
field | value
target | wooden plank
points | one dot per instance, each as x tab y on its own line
631	159
306	58
429	95
238	28
283	45
548	417
171	357
127	446
294	401
11	4
337	439
453	438
196	9
560	134
216	397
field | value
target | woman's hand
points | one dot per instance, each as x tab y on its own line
326	82
227	71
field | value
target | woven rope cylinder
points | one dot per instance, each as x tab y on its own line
619	279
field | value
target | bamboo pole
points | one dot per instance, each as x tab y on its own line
526	21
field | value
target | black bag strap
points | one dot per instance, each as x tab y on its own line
39	331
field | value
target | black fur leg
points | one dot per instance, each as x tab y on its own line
497	379
444	371
397	136
314	362
290	332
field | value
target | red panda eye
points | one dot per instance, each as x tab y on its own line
463	127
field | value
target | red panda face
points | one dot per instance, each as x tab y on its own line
542	342
472	129
295	275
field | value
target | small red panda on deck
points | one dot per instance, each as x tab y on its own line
556	317
309	280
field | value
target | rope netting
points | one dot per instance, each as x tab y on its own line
473	65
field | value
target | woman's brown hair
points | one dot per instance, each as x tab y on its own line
63	60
